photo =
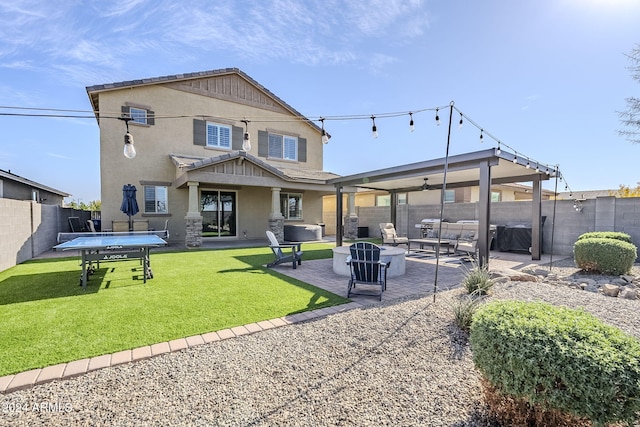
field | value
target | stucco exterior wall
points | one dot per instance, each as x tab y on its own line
154	143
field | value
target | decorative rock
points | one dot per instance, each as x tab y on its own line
611	290
628	293
590	287
627	278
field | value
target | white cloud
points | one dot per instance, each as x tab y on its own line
90	43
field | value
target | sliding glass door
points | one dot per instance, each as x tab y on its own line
219	213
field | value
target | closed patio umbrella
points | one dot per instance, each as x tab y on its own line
129	203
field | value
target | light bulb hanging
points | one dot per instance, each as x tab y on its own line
481	136
411	126
437	117
129	150
325	136
246	141
515	158
374	129
460	124
498	151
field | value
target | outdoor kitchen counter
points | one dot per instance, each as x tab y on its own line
395	255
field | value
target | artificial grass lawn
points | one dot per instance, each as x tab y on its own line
48	319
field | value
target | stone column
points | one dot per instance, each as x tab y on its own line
351	221
193	220
276	220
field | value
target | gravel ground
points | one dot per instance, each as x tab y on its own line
399	363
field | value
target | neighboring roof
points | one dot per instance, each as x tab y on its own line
589	194
13	177
94	90
463	170
191	163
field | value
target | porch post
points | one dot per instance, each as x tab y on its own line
351	221
536	220
193	220
339	230
276	220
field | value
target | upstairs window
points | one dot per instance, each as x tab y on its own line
218	135
283	147
155	199
139	115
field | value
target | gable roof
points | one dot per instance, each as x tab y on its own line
94	91
16	178
192	163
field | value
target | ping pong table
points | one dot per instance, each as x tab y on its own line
104	248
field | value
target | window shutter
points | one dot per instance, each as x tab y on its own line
151	118
302	149
199	132
237	137
263	144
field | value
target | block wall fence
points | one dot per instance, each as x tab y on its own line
27	229
601	214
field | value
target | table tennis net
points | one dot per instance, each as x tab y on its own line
66	237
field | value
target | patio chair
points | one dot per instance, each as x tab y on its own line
367	269
389	235
91	226
295	257
74	224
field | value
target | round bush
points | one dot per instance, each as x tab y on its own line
558	358
608	256
606	235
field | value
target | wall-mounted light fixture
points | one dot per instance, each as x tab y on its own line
129	149
246	142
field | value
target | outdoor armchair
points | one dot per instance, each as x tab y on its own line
367	269
389	235
295	257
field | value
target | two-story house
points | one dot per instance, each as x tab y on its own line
216	153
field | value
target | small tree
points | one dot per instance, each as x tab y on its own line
630	118
626	191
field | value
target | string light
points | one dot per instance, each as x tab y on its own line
528	164
129	150
374	129
325	137
102	115
246	141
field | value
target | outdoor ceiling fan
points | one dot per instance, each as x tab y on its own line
426	186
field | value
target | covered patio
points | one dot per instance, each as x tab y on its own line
481	168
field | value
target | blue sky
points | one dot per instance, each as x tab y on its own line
545	77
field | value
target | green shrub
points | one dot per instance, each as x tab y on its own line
477	279
559	359
608	256
606	235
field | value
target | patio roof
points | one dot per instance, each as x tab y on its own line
480	168
462	171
